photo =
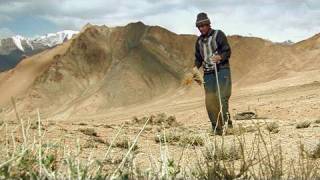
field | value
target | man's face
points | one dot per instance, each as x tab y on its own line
204	29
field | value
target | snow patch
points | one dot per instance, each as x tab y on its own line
17	41
52	39
29	44
48	40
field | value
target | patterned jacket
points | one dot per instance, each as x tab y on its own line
215	42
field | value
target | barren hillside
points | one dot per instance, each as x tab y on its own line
103	68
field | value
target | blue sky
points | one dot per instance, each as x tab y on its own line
270	19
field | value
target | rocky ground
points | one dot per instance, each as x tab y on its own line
286	116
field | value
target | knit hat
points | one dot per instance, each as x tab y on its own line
202	18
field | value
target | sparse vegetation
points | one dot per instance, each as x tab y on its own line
312	149
125	143
35	125
90	143
245	116
230	151
238	130
225	157
169	137
303	124
158	119
194	76
88	131
175	137
273	127
317	121
83	124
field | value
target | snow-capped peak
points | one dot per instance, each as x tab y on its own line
52	39
17	41
48	40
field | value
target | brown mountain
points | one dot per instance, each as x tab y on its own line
103	68
111	67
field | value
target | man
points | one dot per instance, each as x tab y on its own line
212	47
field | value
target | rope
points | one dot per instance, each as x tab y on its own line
220	102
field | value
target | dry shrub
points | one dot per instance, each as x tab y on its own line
304	124
229	151
220	158
273	127
158	119
245	116
35	125
90	143
99	140
182	138
125	143
238	130
89	131
311	148
317	121
170	137
83	124
192	139
195	75
188	79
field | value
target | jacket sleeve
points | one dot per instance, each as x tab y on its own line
224	49
198	58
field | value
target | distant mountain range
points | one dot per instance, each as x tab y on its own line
14	49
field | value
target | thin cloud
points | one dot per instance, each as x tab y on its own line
270	19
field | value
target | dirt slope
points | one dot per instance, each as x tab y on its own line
102	68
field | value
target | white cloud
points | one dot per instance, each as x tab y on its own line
270	19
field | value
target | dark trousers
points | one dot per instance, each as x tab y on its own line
212	97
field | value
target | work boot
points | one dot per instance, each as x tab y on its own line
229	120
219	131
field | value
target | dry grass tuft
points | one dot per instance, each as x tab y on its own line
169	137
312	149
304	124
178	137
273	127
317	121
245	116
230	151
194	76
238	130
35	125
219	158
83	124
125	143
188	80
89	131
158	119
90	143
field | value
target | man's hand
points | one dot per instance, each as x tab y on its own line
196	76
216	59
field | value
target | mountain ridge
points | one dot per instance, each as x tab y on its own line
15	48
107	67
